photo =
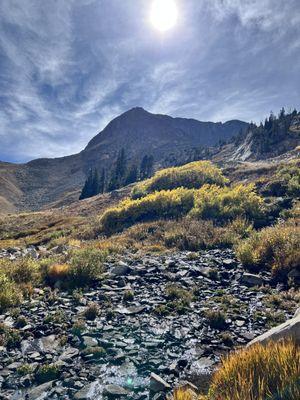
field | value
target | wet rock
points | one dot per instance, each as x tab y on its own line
158	384
114	391
251	280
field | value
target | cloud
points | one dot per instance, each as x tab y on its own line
68	67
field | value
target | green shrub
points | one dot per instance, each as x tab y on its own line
10	295
91	312
46	373
9	337
216	319
164	204
221	204
289	177
275	248
86	266
259	373
190	176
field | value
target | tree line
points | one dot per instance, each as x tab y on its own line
121	174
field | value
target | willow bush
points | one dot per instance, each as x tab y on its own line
190	176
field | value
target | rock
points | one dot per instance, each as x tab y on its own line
289	329
157	384
89	341
114	391
87	392
39	392
297	312
251	279
130	310
120	269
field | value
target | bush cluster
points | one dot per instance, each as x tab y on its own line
209	202
275	248
190	176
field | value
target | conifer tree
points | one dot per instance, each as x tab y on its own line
132	175
146	169
87	190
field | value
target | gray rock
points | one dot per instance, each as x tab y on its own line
289	329
40	392
157	384
120	269
114	391
251	280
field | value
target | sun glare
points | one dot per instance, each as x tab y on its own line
164	14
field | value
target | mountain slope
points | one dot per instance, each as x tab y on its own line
44	182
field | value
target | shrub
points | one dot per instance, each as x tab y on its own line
91	312
57	272
275	248
9	337
164	204
23	270
190	176
289	177
216	319
86	266
128	296
259	373
78	328
221	204
174	292
46	373
9	293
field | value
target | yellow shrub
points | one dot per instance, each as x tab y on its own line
58	272
164	204
214	202
190	176
259	373
10	295
276	248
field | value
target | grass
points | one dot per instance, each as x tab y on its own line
275	248
270	372
190	176
259	373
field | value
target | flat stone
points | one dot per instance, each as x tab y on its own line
251	280
158	384
114	391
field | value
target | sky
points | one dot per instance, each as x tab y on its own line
67	67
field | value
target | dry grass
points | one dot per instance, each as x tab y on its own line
275	248
259	373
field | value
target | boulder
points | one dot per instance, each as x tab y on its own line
251	280
120	269
289	329
157	384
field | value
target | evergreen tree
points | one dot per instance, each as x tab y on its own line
101	187
146	169
88	187
121	166
132	175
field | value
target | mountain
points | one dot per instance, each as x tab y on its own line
57	181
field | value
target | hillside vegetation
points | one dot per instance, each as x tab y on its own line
191	176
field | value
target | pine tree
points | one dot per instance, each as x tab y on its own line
146	169
87	190
132	175
121	166
101	187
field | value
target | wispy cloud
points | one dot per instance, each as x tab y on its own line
67	67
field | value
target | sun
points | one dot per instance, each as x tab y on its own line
164	14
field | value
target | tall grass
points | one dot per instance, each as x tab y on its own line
270	372
275	248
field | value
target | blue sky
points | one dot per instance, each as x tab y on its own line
67	67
